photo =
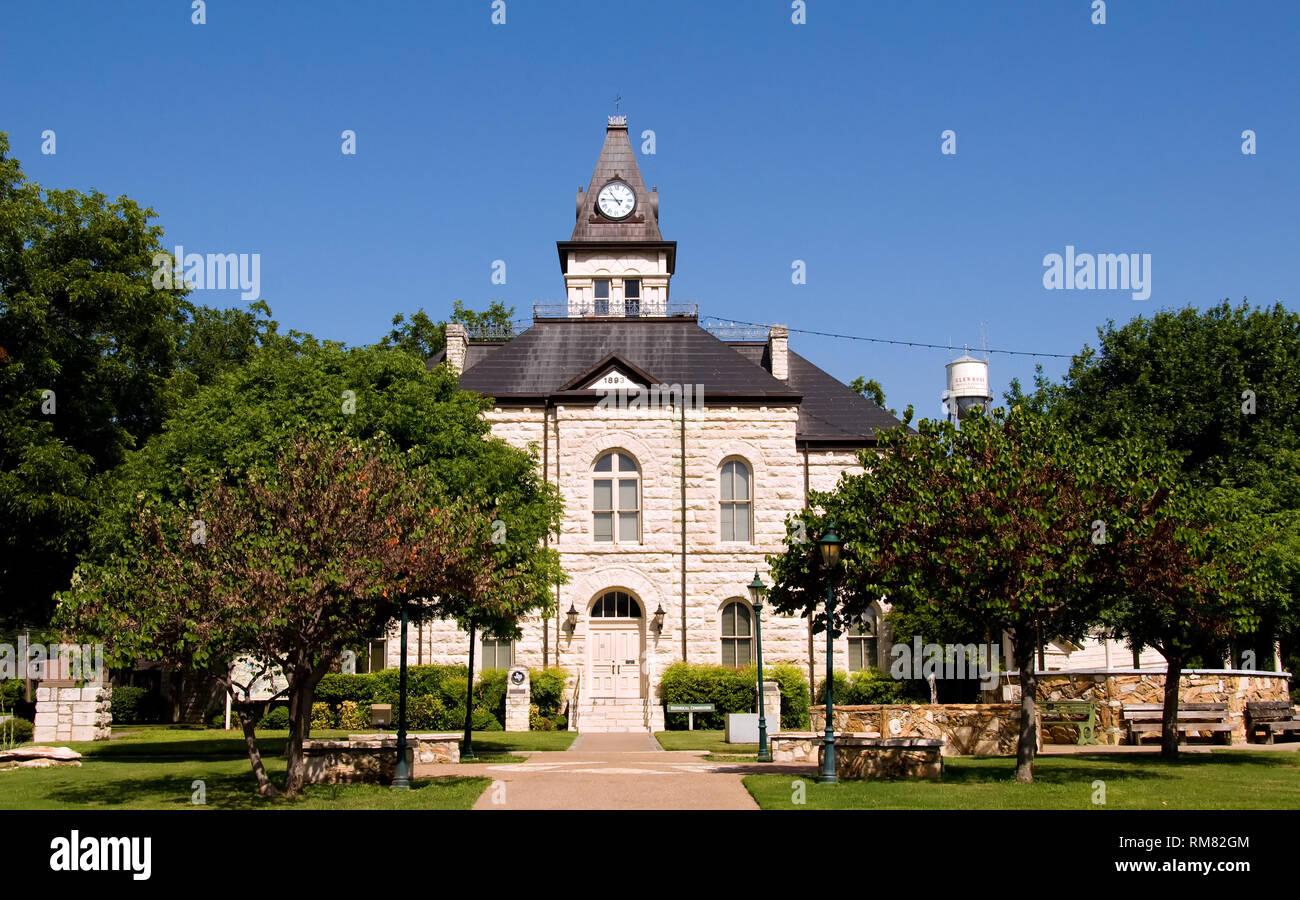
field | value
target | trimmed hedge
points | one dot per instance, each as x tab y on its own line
133	706
732	691
871	686
15	731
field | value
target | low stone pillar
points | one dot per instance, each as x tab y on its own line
518	698
66	712
771	704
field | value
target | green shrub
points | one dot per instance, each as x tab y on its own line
13	699
547	687
870	686
15	731
427	713
275	719
322	717
484	720
353	716
490	692
133	706
732	691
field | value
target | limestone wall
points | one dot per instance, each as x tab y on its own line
69	713
1115	688
982	729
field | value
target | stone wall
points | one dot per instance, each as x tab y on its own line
70	713
980	729
1112	689
859	757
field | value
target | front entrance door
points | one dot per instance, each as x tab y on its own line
615	659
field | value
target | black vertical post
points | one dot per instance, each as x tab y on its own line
467	751
402	778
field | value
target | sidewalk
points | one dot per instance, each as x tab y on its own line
614	771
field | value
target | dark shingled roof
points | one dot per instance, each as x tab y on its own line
554	355
617	162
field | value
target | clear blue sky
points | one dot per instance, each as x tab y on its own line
775	142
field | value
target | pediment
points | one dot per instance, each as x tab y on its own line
612	372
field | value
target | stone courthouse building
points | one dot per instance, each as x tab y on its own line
669	510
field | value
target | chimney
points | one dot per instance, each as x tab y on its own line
457	346
778	351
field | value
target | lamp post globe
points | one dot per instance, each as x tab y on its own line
756	591
830	544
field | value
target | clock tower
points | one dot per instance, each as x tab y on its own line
616	263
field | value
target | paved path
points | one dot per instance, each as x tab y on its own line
614	771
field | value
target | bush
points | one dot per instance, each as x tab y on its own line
870	686
275	719
322	716
15	731
731	691
13	699
490	692
426	712
484	721
547	690
353	716
134	706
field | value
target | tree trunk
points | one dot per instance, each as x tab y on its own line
1169	715
249	723
1027	746
302	691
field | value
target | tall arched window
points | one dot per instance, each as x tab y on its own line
737	634
616	500
862	642
736	501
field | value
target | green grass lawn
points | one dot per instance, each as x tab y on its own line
702	739
1220	780
156	767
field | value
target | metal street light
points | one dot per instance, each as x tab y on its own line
756	590
830	547
402	777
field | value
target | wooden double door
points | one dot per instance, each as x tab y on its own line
614	659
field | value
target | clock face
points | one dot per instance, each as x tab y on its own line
616	200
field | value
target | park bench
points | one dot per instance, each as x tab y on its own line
1082	714
1146	718
1270	717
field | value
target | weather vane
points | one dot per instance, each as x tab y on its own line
617	100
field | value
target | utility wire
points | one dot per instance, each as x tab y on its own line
876	340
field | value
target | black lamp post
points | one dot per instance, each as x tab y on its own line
830	547
756	589
402	777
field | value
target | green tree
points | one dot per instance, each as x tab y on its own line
990	524
873	391
87	348
424	337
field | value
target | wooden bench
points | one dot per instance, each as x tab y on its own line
1068	712
1147	718
1270	717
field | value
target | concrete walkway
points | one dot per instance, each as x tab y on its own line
615	771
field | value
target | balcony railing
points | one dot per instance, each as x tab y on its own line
614	309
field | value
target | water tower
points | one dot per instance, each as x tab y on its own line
968	387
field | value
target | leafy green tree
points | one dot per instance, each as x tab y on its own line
873	391
424	337
989	524
289	565
87	348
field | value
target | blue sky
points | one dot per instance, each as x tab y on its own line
774	142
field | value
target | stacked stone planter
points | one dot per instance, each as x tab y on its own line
966	729
373	758
65	712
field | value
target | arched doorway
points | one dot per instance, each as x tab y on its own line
615	637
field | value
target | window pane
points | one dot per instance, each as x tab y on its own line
627	464
727	481
742	481
741	522
742	620
855	655
627	493
729	654
605	463
602	289
742	653
603	526
627	527
632	289
728	529
603	494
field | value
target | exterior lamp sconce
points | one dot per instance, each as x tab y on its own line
658	622
830	545
571	620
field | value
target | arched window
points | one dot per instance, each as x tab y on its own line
616	500
616	605
862	642
737	634
736	501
